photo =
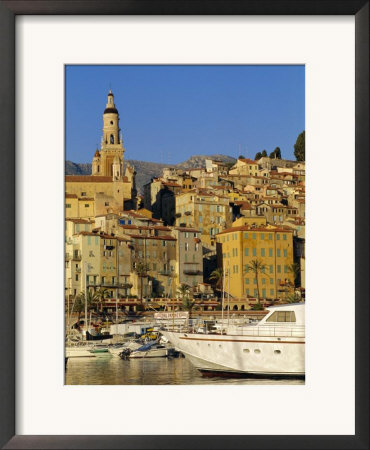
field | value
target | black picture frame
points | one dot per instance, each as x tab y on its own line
8	11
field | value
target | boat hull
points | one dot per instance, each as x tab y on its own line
156	353
78	352
277	356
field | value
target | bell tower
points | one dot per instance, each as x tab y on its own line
111	148
111	123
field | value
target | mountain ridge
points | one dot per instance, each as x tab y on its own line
146	170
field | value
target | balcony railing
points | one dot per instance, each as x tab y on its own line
193	272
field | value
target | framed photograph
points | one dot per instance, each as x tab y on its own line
156	282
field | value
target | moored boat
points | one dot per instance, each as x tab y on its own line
149	350
273	346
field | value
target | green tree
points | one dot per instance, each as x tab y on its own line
264	153
142	271
241	157
295	270
184	293
93	299
258	156
299	147
293	298
257	267
217	277
276	154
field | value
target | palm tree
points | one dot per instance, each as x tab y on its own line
142	271
100	296
295	270
92	300
257	266
184	293
217	276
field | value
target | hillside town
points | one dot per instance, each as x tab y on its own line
223	236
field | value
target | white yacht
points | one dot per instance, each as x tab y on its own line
273	346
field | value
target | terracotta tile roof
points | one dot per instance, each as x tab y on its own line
90	179
160	238
166	183
86	233
248	161
260	229
192	230
79	220
145	227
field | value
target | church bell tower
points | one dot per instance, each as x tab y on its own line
109	160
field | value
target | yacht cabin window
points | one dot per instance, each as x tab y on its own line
282	316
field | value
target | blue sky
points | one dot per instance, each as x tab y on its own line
169	113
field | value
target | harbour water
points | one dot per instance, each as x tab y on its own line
108	370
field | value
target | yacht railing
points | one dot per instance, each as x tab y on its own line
283	330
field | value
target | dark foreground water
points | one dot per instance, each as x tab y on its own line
113	370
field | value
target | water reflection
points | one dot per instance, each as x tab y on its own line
108	370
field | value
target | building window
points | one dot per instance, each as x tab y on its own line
254	280
270	251
271	292
247	291
278	269
278	253
264	293
68	205
76	277
254	252
263	280
271	281
87	205
246	252
285	269
285	253
270	236
262	252
255	293
277	236
253	235
284	237
245	235
247	281
83	194
271	269
262	236
106	204
186	246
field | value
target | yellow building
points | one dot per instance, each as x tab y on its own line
244	166
243	221
207	212
108	179
273	246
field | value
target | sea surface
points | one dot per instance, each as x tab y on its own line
112	370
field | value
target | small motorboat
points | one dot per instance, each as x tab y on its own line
149	350
116	349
